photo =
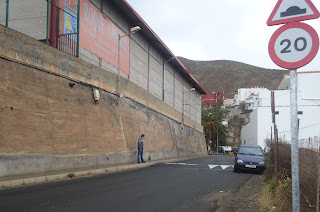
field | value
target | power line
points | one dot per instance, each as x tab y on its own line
289	106
299	128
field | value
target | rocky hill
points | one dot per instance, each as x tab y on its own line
229	76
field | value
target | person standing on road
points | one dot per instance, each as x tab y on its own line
140	149
210	148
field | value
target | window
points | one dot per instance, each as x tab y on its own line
250	151
191	132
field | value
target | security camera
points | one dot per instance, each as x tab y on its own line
96	95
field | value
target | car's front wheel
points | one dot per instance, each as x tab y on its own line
235	169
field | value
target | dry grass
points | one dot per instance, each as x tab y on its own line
276	196
278	193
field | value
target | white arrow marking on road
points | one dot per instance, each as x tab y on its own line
212	166
222	166
225	166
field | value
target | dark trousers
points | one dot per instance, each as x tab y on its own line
140	155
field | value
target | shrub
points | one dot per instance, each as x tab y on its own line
71	175
276	195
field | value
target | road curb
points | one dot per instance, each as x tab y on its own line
57	177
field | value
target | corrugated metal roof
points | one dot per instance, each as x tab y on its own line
135	19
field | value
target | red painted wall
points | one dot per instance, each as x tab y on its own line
211	99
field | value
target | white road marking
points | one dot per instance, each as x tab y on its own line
225	166
222	166
212	166
184	164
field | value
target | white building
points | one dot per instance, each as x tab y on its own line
228	102
245	93
254	97
259	127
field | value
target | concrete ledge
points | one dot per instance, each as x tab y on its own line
29	180
40	179
16	182
56	177
4	184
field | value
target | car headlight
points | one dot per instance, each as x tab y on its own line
239	161
261	163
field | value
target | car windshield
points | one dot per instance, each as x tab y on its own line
250	150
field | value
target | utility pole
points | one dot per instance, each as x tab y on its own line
217	139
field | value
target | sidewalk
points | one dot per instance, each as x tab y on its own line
29	180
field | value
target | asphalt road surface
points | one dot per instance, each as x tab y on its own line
177	186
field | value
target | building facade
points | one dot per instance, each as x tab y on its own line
144	58
211	99
56	122
244	94
260	125
228	103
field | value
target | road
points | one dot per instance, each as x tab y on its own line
179	186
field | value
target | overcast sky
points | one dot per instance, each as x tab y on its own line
217	29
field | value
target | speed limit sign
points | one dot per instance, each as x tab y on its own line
293	45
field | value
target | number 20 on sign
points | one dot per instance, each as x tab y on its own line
293	45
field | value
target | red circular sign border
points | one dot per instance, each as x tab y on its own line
304	61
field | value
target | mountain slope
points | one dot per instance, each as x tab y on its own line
229	76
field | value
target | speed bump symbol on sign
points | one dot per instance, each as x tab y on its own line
293	45
287	11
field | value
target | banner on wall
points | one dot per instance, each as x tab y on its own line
98	34
70	22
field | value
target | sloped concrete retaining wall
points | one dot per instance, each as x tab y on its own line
49	121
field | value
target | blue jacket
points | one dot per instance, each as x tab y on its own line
140	144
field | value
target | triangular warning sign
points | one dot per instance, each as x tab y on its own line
287	11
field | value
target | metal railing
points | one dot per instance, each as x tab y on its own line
67	42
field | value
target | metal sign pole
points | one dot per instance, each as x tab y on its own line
48	20
318	162
7	14
78	29
294	141
119	37
275	149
